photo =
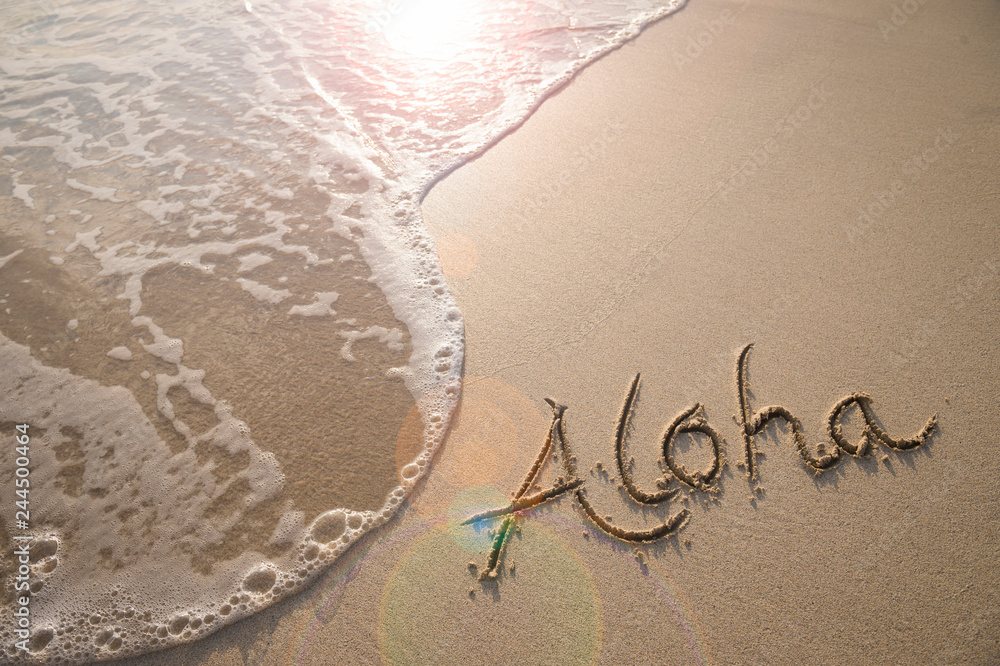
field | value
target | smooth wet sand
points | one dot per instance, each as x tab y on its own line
656	215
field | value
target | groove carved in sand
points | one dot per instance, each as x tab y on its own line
689	421
828	453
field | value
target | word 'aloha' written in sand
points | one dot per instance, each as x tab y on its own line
692	421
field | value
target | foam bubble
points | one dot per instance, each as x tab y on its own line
121	353
217	182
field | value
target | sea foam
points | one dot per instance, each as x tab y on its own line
219	304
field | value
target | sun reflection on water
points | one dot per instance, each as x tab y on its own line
433	29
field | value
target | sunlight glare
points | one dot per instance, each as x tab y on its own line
431	29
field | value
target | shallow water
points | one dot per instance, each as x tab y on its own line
223	323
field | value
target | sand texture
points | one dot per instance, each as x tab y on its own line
819	179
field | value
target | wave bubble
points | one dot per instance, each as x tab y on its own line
220	304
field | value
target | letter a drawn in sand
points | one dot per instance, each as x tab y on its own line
556	443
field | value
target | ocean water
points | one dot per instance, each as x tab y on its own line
225	341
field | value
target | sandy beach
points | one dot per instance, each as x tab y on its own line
818	179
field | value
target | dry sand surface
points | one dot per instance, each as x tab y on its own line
818	178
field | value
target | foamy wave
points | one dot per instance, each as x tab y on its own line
182	178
